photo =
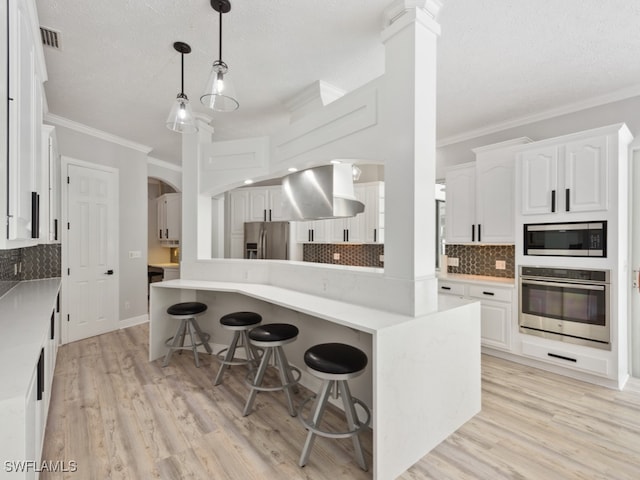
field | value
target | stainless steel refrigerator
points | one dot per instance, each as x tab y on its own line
266	240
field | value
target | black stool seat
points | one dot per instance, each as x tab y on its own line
186	308
335	358
273	332
241	319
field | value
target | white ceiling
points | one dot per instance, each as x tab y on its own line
498	60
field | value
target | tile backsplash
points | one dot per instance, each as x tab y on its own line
361	255
41	261
481	259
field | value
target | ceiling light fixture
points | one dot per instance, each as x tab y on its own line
181	117
219	94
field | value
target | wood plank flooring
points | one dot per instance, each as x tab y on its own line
120	417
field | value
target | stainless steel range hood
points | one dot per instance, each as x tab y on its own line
321	192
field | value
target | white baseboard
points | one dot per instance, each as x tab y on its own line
130	322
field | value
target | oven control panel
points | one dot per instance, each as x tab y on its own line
565	273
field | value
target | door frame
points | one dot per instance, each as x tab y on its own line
64	305
634	263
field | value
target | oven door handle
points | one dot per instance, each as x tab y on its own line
580	286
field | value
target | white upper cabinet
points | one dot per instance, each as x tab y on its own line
169	218
565	177
50	197
480	196
265	204
461	197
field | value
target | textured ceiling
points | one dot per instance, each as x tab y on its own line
498	60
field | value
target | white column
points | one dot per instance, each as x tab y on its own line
409	100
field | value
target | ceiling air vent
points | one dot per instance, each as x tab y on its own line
51	38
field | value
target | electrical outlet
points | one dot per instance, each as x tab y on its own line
127	305
135	254
325	285
501	265
453	262
382	258
336	256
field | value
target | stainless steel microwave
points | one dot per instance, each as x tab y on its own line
572	239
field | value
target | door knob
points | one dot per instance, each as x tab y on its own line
109	272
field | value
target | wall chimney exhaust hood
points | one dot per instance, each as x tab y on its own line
321	192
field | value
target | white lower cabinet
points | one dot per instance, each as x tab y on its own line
496	309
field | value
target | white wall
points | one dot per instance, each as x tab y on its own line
627	111
132	167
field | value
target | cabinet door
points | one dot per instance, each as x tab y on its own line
276	205
238	211
585	172
236	246
258	205
373	229
495	213
161	209
173	212
538	172
322	231
461	194
337	233
495	321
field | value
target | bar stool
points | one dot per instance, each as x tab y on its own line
187	312
271	338
334	363
240	323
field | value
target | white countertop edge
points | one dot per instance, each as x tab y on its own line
348	314
481	279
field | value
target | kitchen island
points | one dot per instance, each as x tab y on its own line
423	379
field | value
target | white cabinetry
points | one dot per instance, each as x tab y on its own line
23	74
480	196
265	204
314	231
169	218
570	176
50	196
496	309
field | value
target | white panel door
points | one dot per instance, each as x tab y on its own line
92	252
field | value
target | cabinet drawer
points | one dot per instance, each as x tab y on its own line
490	293
559	357
451	288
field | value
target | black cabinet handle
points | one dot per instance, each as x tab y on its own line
562	357
445	288
553	201
488	293
269	214
35	214
313	232
375	234
479	233
109	272
40	380
473	233
55	229
52	333
567	199
160	234
264	215
166	233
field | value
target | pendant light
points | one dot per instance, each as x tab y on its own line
219	94
181	117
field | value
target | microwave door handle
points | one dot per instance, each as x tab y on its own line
563	284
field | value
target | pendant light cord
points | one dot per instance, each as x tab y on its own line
181	73
220	37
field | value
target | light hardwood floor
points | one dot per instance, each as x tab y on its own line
119	416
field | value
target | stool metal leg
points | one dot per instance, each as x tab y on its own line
228	357
202	336
352	421
285	377
176	338
194	347
257	380
250	348
319	406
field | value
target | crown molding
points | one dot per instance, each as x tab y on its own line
164	164
545	115
94	132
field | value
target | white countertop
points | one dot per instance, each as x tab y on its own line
483	279
350	315
25	313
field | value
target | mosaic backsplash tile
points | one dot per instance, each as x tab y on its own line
365	255
41	261
481	259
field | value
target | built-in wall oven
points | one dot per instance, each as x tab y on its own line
566	304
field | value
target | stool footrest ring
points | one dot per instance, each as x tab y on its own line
324	433
249	377
234	360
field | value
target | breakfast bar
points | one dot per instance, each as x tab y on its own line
423	381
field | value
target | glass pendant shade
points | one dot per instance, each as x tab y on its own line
181	117
219	94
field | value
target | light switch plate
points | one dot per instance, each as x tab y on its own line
501	265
